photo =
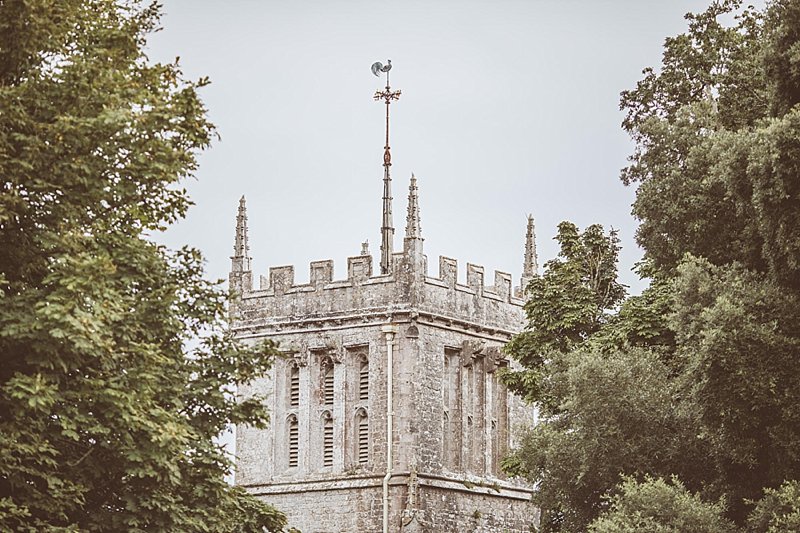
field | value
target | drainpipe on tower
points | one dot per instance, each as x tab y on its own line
389	331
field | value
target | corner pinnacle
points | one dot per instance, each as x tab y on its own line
240	262
530	265
413	223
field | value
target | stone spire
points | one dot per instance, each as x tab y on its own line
414	264
413	226
530	266
240	261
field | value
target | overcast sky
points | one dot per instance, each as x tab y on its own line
508	108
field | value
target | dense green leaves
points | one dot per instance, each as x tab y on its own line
778	511
697	377
656	506
107	419
739	336
619	414
566	305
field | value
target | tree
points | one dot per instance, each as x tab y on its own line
619	414
607	402
717	133
656	506
107	420
738	338
778	511
565	306
718	154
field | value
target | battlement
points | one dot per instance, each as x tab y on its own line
448	277
407	288
403	285
280	280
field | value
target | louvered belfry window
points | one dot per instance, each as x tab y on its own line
294	452
363	381
327	384
363	436
327	440
294	386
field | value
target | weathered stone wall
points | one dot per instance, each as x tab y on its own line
452	418
419	503
353	505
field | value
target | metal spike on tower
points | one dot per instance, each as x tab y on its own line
387	227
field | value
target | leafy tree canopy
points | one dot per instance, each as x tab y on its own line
106	420
570	302
656	506
716	165
778	511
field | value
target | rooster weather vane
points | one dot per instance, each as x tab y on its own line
379	67
387	229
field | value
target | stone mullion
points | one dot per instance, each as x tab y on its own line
488	414
306	415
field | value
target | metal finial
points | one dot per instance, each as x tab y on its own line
387	228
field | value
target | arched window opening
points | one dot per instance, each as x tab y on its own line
362	440
363	380
327	439
294	441
294	385
327	382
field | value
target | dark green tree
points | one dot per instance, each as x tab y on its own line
571	301
778	511
619	414
607	403
656	506
716	164
738	337
107	419
718	155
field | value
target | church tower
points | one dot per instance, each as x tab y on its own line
386	411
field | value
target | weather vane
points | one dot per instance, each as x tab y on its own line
387	229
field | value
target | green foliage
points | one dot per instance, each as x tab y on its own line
718	141
565	306
655	506
710	349
641	321
778	511
107	420
619	414
739	339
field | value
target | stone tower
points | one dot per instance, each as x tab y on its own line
386	411
387	401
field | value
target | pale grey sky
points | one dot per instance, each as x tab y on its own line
508	108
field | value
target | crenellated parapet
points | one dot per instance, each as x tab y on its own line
404	287
493	304
279	299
